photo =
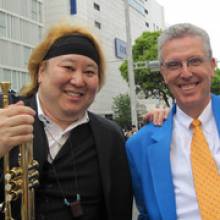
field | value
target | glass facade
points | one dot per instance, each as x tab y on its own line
20	30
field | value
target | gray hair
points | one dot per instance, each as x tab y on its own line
182	30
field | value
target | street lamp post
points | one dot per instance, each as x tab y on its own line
131	79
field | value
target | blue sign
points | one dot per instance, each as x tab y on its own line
120	48
73	7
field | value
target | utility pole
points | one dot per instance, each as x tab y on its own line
131	79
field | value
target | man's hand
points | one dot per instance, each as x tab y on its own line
16	126
157	116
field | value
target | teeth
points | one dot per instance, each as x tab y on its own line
188	86
74	93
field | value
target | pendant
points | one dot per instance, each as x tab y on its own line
75	207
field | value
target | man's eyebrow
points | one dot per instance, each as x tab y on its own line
92	65
69	59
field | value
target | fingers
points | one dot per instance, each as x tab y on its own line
19	103
17	109
148	117
16	115
19	130
157	116
166	112
16	126
17	120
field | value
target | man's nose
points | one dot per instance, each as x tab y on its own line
185	70
77	78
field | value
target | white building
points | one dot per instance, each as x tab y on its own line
21	27
107	20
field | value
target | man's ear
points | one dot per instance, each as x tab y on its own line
41	70
163	75
213	66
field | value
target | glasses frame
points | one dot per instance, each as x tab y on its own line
191	63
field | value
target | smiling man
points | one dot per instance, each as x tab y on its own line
83	170
175	168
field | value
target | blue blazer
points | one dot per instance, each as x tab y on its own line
149	159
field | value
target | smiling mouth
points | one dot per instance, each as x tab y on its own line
187	87
74	94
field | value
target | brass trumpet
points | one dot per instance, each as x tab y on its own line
21	180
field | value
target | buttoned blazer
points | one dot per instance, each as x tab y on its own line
113	164
149	160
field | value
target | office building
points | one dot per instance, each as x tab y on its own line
107	20
21	28
23	22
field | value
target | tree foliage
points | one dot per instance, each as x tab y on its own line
215	88
122	110
151	83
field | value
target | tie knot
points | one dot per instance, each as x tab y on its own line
196	123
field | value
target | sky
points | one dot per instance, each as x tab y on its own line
205	14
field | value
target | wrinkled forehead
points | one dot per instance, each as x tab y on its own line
73	59
183	47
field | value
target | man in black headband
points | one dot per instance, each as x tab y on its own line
73	44
82	162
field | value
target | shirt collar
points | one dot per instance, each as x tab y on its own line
186	120
47	122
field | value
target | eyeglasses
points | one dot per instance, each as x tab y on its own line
192	63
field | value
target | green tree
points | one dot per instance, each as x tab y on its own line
122	110
215	88
151	83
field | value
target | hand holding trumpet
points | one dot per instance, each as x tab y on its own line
16	126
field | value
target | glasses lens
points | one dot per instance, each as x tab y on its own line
195	61
173	65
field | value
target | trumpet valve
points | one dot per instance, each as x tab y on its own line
33	184
33	166
13	173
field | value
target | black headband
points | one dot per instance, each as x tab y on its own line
73	44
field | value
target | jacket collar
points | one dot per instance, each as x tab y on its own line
159	161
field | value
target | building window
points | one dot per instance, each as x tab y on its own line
34	10
98	25
9	26
27	52
146	11
40	9
7	75
147	24
137	5
73	7
2	24
96	6
16	27
40	35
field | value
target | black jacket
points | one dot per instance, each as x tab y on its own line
115	177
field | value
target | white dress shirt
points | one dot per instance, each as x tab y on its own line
186	201
56	135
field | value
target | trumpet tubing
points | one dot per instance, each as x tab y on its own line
19	181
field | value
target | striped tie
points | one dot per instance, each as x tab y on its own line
205	175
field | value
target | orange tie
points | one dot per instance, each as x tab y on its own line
205	175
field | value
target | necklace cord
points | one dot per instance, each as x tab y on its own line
75	178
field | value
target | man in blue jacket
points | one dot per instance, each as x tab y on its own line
165	180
